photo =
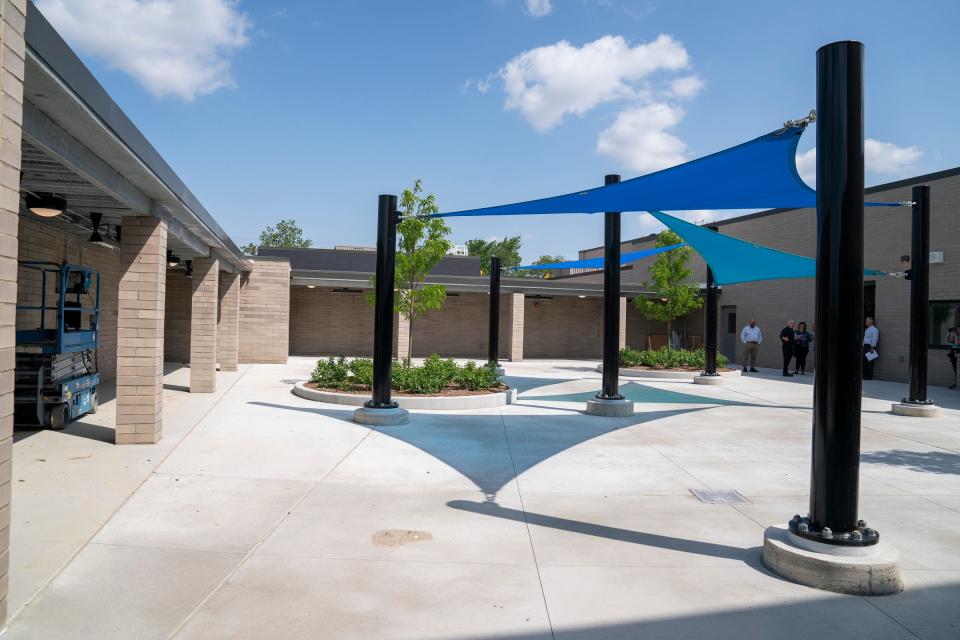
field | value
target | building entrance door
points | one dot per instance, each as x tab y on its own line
728	315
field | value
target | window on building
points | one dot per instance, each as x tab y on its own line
944	314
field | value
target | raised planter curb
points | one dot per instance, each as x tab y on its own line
916	410
440	403
656	373
874	575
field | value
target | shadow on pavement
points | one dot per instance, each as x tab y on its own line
926	461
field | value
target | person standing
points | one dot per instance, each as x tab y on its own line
953	341
751	337
786	345
801	347
871	336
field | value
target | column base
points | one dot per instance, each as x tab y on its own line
916	409
708	379
500	371
381	417
873	570
610	407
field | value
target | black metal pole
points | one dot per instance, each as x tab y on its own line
383	307
919	295
839	288
611	302
494	331
710	331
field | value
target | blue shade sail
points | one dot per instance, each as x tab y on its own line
759	174
734	260
597	263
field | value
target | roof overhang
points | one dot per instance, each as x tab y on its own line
82	141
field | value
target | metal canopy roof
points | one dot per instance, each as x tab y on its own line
77	143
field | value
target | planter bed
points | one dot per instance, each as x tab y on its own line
683	374
447	399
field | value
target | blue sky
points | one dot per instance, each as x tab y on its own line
308	110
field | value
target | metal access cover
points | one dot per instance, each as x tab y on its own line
723	496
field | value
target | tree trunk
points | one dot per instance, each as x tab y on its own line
669	337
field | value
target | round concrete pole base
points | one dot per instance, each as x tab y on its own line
610	408
381	417
916	410
705	379
500	371
875	574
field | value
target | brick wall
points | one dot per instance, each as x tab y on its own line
324	322
203	325
42	241
177	314
265	311
12	48
228	320
563	328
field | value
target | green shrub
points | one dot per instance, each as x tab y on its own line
665	358
431	377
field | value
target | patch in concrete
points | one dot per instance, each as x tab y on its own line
399	537
721	496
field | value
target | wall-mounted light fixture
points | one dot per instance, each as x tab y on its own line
189	264
95	219
45	205
172	259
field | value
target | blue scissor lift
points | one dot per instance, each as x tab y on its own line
56	371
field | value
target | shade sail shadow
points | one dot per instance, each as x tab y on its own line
749	556
476	446
523	384
924	461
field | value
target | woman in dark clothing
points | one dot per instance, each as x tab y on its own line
801	347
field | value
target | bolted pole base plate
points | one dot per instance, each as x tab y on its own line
916	409
610	407
830	567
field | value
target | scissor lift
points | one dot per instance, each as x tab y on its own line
56	371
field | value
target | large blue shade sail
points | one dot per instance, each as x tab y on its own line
759	174
597	263
734	260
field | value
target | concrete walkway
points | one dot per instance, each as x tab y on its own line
276	517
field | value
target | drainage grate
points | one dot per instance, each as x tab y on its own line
723	496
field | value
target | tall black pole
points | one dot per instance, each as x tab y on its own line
494	331
919	295
839	289
383	307
611	302
710	331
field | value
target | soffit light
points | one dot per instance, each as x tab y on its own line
46	205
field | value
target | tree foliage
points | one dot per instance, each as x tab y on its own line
674	295
508	250
287	234
546	259
422	244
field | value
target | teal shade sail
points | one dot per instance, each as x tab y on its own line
733	260
759	174
597	263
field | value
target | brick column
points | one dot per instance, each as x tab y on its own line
140	311
12	47
228	325
622	341
203	325
403	337
514	341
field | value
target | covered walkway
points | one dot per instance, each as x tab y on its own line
278	517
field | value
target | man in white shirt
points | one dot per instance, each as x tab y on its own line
751	337
871	336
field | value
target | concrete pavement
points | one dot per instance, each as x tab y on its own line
273	516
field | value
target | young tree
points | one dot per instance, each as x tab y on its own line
675	296
287	233
508	250
423	243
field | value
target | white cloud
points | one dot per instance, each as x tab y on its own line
686	87
637	138
172	47
883	158
539	8
548	83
